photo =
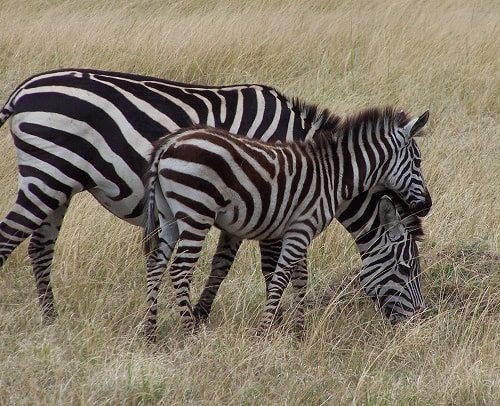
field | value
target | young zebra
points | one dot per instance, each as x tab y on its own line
390	272
251	190
86	130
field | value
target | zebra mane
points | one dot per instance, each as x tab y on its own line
328	124
373	115
314	116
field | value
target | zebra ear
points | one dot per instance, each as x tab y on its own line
415	126
390	218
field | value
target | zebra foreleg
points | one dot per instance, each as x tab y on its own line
223	259
41	253
300	277
270	251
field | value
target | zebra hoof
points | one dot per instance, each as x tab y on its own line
278	317
150	333
49	317
200	315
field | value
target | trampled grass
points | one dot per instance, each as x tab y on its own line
343	55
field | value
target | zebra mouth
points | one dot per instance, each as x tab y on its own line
396	312
421	209
397	315
396	319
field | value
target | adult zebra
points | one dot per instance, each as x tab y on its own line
202	177
79	129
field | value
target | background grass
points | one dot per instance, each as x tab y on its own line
343	55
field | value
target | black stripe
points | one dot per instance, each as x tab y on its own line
63	165
31	171
81	147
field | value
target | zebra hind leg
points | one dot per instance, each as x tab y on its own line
223	259
40	216
10	238
41	253
191	240
269	253
156	264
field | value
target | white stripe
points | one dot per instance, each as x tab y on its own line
63	123
152	112
210	117
239	113
258	116
223	111
274	124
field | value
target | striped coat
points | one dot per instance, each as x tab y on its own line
202	177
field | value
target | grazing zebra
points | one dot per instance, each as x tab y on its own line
202	177
393	245
390	271
79	129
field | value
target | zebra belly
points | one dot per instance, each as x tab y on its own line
233	220
129	209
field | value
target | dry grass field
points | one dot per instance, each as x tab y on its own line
344	55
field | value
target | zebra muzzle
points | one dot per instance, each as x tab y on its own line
421	209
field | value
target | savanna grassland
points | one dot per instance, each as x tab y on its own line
343	55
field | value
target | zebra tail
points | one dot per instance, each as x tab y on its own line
8	108
150	213
151	223
6	112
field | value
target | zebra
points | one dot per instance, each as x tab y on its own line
204	177
88	130
390	271
394	239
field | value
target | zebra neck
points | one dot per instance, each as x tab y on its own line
354	174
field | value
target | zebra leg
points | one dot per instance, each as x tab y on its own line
37	212
156	264
223	259
24	218
181	270
41	253
299	282
10	237
269	253
292	251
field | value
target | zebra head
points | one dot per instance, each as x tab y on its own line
391	272
404	175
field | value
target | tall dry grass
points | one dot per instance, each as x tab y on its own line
342	55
